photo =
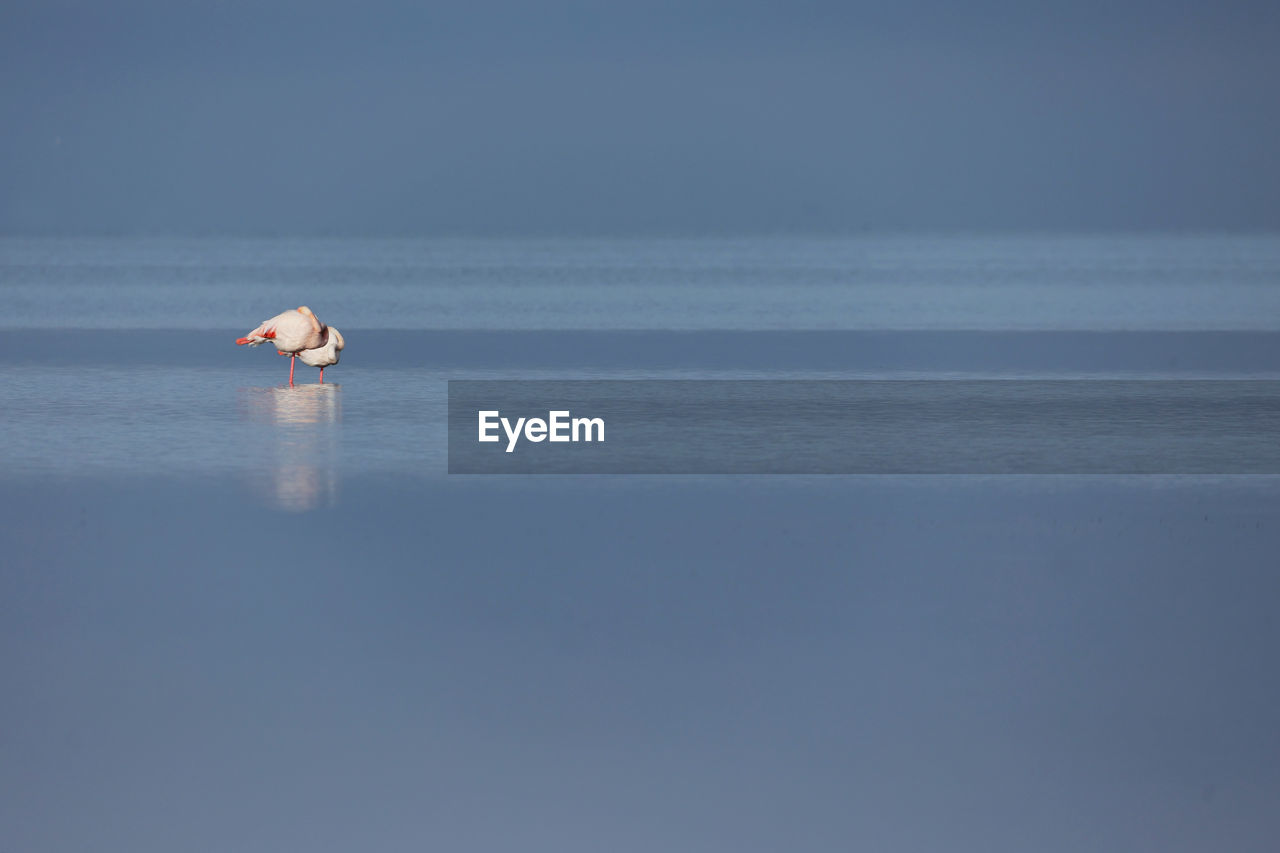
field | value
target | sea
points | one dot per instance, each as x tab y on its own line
240	614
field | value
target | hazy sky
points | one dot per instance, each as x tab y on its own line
510	117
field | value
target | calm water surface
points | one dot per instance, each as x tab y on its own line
238	615
870	282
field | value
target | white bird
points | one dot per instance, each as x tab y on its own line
325	354
292	332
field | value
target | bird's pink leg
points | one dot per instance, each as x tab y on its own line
292	361
322	376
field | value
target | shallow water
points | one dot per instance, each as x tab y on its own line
641	663
862	282
235	614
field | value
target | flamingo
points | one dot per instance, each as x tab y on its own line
292	332
325	354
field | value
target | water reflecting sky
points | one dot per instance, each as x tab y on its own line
240	615
989	282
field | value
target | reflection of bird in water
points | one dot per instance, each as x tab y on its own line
292	333
301	404
324	355
303	469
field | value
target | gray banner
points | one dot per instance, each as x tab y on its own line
864	427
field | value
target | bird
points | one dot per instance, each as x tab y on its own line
292	332
325	355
